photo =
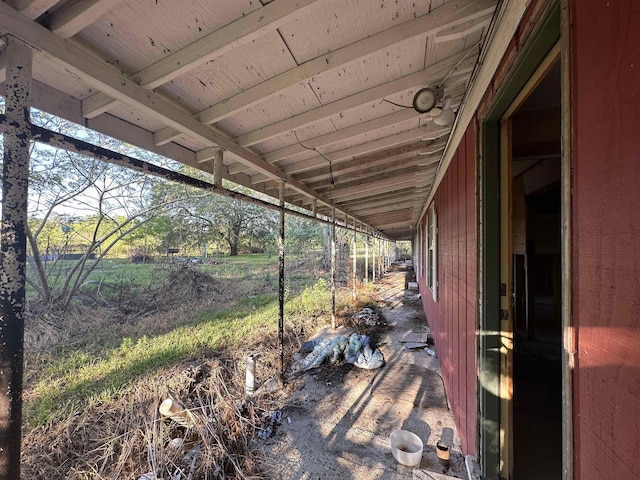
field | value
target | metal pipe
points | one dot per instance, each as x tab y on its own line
281	253
366	258
355	259
13	253
60	140
333	268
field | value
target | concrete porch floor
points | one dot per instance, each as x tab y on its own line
341	418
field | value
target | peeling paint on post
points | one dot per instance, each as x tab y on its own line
373	259
355	257
281	282
13	255
366	258
333	268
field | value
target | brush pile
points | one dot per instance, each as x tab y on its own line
135	441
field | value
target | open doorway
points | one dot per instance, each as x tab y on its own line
536	279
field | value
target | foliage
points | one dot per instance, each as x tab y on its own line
204	218
70	381
303	235
81	208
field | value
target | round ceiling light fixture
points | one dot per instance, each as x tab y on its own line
424	100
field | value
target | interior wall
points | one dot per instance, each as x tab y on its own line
606	237
452	318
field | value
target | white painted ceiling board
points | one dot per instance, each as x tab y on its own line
133	116
340	111
346	21
141	32
369	71
376	109
230	74
297	98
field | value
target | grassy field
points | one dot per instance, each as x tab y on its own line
95	375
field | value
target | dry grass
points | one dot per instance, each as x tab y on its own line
117	433
127	438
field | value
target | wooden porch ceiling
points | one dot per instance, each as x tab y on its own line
298	92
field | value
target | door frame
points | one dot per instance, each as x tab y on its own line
495	334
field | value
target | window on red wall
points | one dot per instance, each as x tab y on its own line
432	251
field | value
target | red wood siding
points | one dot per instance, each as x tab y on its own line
606	220
453	317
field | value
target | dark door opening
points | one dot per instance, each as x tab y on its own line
536	249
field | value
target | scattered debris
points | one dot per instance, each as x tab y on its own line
270	424
271	385
421	336
367	316
430	352
412	345
355	349
176	412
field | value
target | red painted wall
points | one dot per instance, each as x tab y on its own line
452	318
606	220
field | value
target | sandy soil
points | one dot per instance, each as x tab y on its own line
336	427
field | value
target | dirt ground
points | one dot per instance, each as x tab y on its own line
336	425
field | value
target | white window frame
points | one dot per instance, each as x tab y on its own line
432	251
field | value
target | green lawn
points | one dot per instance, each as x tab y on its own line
65	378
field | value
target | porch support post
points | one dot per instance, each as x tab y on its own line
366	257
218	167
355	257
314	207
373	260
281	188
333	268
13	253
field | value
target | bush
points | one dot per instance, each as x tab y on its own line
314	300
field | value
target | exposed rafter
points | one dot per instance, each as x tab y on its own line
73	17
105	78
244	30
448	15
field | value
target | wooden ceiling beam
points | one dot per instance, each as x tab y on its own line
459	32
32	8
394	183
430	75
401	215
393	196
345	197
233	35
366	211
369	126
107	79
363	175
446	16
425	151
348	168
430	131
367	180
398	225
73	17
427	132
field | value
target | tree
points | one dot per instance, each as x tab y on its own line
205	217
303	235
93	203
214	216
